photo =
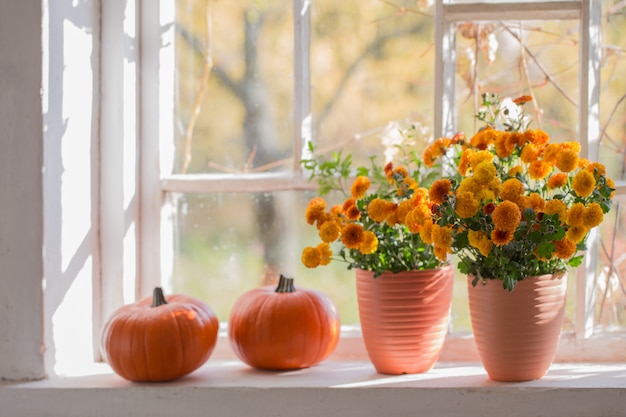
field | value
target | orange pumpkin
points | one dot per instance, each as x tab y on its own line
283	328
159	339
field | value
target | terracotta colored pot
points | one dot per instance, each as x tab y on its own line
404	317
517	333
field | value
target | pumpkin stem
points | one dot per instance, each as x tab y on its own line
285	284
158	298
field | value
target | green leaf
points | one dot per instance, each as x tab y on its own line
576	261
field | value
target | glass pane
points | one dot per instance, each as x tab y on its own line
513	58
234	89
226	244
372	63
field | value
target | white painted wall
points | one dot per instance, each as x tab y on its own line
21	191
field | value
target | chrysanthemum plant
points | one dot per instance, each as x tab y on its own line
382	223
513	204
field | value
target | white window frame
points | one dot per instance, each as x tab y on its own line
585	345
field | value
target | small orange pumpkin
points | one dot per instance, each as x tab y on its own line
159	339
283	328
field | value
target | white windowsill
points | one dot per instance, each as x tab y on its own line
339	388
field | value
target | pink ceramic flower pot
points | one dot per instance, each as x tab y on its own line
517	332
404	317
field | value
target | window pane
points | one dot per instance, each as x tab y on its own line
372	63
235	72
227	244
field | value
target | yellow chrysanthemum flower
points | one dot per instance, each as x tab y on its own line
480	241
311	257
441	253
576	233
564	248
506	216
353	213
440	190
567	160
556	206
593	215
329	232
442	236
359	187
485	172
352	235
466	205
469	184
574	146
584	183
479	157
575	214
379	209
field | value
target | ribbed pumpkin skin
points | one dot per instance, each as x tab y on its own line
283	331
163	343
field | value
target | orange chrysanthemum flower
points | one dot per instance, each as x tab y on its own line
440	190
557	180
505	144
506	216
353	213
536	202
315	209
329	232
325	253
537	137
551	152
379	209
484	138
464	162
311	257
584	183
539	169
564	248
501	237
596	167
530	153
514	171
426	233
360	186
512	189
352	236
